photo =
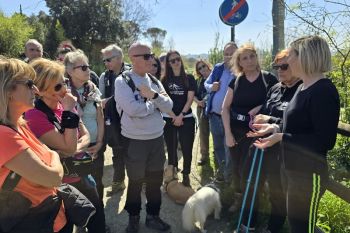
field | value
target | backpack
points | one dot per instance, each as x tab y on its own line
112	135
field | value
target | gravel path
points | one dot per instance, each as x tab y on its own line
117	217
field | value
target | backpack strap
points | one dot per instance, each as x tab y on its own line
41	106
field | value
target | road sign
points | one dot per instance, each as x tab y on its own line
233	12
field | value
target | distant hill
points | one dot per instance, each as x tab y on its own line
197	56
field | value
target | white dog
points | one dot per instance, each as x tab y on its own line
199	206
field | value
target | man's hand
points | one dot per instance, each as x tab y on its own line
201	103
261	118
146	92
216	86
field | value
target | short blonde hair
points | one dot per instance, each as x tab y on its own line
313	53
72	57
47	73
10	71
237	69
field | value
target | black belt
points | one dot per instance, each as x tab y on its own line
240	117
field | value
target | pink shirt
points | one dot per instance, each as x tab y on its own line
39	124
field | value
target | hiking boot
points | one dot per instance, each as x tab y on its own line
236	206
243	229
154	222
186	180
116	187
133	226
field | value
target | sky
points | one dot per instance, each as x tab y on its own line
190	24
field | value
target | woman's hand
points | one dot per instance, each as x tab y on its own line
269	141
92	150
230	140
68	101
261	119
262	130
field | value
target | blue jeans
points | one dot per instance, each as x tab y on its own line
221	151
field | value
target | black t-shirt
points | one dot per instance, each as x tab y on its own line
277	101
248	95
310	126
177	90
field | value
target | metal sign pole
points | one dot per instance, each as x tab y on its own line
233	33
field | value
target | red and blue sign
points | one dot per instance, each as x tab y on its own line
233	12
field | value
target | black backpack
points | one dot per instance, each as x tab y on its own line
112	135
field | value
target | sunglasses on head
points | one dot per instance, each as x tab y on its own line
83	67
282	67
174	60
145	56
201	67
29	83
59	86
108	59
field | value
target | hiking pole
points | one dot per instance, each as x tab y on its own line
255	188
247	190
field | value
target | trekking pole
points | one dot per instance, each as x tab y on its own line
255	188
247	190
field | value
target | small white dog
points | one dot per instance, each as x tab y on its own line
199	206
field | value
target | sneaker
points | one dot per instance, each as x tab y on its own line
154	222
243	229
134	224
186	180
116	187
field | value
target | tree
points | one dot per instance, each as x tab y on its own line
216	54
278	16
156	36
14	32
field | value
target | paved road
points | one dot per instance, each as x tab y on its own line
117	217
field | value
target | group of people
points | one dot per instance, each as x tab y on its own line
53	111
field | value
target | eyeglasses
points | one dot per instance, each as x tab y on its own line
155	65
174	60
145	56
59	86
108	59
282	67
83	67
201	67
29	83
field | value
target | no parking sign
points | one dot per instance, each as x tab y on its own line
233	12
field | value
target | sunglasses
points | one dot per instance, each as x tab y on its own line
29	83
161	59
108	59
155	65
201	67
174	60
146	56
59	86
282	67
83	67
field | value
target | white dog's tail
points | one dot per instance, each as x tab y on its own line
188	220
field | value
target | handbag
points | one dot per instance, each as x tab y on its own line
81	165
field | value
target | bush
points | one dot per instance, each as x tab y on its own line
333	214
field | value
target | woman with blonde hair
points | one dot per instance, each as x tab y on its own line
66	133
309	131
38	168
243	100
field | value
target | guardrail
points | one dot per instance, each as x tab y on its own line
333	186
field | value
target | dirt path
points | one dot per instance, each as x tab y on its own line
117	217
